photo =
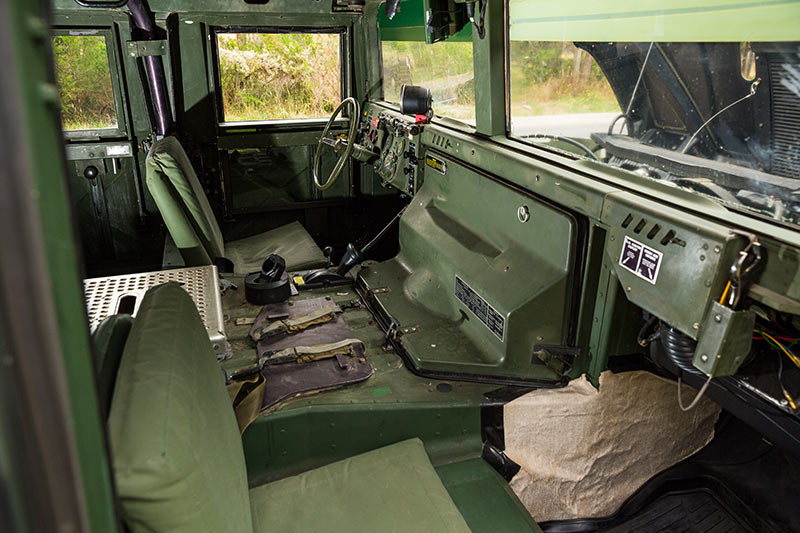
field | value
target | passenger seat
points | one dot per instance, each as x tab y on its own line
190	221
179	464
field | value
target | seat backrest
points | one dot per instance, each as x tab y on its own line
182	202
109	342
175	445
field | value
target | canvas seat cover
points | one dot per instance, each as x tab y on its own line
178	460
180	198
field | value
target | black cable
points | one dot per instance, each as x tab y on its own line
628	124
101	5
566	140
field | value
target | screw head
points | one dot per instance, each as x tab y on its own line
695	326
704	358
523	213
718	318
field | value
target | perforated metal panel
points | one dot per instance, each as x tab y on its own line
114	294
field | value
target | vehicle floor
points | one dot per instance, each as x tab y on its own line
738	482
394	404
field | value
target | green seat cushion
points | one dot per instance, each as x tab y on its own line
109	341
176	450
182	202
393	488
292	242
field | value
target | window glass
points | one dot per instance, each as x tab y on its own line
558	89
84	82
445	67
270	76
693	101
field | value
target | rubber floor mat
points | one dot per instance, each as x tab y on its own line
692	512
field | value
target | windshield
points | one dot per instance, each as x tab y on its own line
717	117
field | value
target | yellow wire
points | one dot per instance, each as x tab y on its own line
789	354
725	293
789	399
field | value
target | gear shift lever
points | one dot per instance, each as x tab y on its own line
352	256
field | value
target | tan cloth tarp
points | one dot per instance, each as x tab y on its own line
583	452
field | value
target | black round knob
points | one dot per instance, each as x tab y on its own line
90	172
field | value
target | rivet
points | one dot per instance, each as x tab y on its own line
704	358
717	249
695	326
718	318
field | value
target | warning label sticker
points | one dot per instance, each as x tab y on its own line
439	165
640	259
481	308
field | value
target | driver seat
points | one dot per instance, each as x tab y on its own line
190	221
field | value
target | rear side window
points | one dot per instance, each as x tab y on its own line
84	82
273	76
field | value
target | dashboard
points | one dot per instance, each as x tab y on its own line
391	142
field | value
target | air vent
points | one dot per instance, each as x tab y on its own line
627	221
654	231
668	237
640	226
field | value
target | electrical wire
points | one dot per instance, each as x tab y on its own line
725	293
696	398
786	394
779	347
777	344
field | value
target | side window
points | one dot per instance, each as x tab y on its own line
446	68
274	76
84	81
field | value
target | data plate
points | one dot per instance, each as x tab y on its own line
480	308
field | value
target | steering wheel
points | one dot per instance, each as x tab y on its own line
343	147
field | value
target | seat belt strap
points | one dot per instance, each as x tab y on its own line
247	396
299	323
306	354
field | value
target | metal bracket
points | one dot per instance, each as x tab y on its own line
559	359
391	331
147	48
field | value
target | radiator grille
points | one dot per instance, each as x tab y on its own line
785	116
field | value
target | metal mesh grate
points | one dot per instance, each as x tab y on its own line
105	296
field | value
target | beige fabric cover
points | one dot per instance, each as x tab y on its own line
584	452
292	242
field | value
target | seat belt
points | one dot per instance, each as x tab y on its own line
246	386
321	315
247	396
307	354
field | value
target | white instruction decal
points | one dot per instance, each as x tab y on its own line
640	259
480	308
